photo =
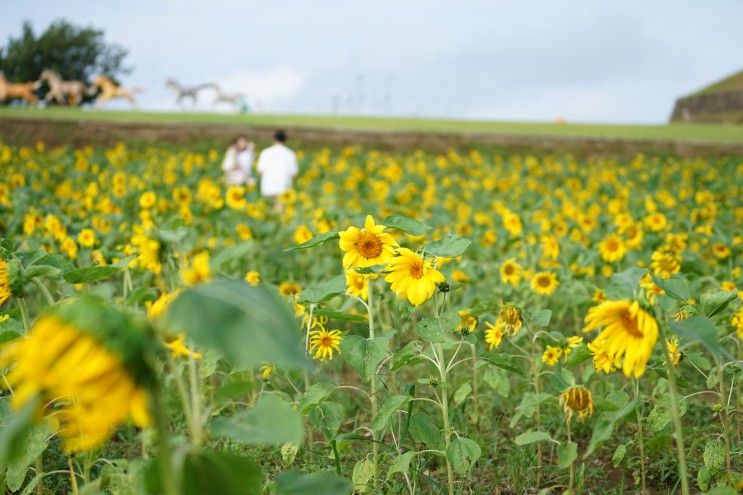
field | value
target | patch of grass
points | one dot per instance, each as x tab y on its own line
733	82
692	133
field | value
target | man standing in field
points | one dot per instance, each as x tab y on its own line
277	166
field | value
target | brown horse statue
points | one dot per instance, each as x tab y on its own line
23	91
61	91
110	91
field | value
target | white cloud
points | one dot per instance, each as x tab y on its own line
264	90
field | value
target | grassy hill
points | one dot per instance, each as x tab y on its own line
691	133
730	83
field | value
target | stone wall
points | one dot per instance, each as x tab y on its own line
722	107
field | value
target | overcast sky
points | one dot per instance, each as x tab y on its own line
583	60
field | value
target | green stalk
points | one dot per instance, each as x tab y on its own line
640	438
445	416
161	426
725	419
675	415
24	314
44	291
373	394
193	375
571	483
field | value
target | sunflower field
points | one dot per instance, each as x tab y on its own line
469	322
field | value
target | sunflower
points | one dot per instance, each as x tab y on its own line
720	250
570	344
253	278
86	238
302	234
656	222
366	247
665	262
493	335
4	282
509	318
147	200
289	289
601	360
86	366
157	308
672	344
612	249
413	277
198	271
324	342
177	347
510	272
551	355
266	371
544	283
629	332
736	321
577	399
357	284
235	197
467	322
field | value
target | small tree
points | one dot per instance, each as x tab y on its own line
74	52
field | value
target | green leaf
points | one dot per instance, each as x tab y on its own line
606	422
408	355
532	437
529	404
579	355
33	446
232	253
323	291
714	455
247	325
387	410
57	261
699	329
225	473
723	490
317	393
698	360
567	453
424	430
363	471
619	454
438	329
506	362
462	453
542	317
367	270
407	225
498	381
401	463
340	315
660	415
704	477
462	393
295	483
89	274
271	422
42	271
328	417
364	354
15	431
623	285
448	247
676	287
318	240
714	302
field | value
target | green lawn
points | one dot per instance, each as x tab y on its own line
701	133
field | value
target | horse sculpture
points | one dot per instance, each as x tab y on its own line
24	91
61	91
183	92
233	99
110	91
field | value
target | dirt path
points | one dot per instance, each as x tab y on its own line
82	132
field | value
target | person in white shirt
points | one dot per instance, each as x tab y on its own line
277	166
238	162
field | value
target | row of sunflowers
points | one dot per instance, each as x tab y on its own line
465	322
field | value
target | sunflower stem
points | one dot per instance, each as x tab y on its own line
725	420
44	291
193	376
163	437
675	415
640	438
73	477
373	394
445	416
571	483
24	314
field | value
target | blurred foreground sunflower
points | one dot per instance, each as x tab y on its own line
86	365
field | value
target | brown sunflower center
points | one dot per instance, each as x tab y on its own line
544	281
508	269
416	269
370	246
326	341
612	245
630	324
